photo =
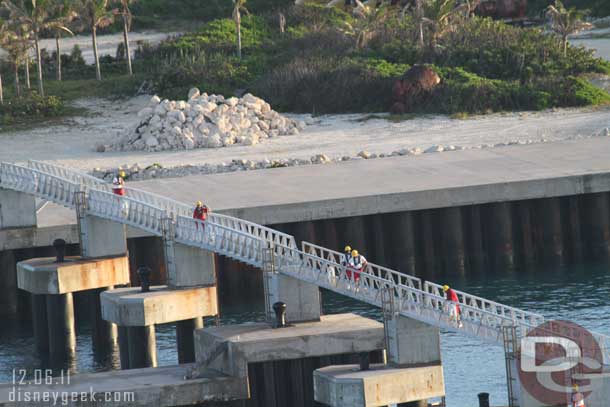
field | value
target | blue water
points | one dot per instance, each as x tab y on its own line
576	293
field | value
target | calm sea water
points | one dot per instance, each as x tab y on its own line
576	293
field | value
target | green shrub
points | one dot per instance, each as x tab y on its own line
31	107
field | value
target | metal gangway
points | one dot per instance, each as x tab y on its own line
248	242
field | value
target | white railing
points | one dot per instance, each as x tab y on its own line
76	177
245	241
125	210
373	269
481	304
38	183
220	239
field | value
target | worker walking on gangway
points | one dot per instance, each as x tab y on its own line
454	304
347	255
201	212
118	184
357	263
578	400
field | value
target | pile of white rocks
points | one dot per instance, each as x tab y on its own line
205	121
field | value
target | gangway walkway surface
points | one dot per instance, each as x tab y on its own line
246	241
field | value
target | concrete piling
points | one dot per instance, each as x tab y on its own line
142	346
452	235
501	234
598	224
401	246
551	230
525	234
104	334
62	329
123	333
8	283
427	231
40	323
474	239
185	339
378	248
574	224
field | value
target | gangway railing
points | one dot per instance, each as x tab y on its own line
246	241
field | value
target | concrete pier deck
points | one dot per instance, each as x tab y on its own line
365	187
151	387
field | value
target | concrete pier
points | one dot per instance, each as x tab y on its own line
17	209
102	237
52	284
303	302
136	313
142	345
185	338
62	329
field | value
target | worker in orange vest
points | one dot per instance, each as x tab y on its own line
454	304
118	184
201	212
578	400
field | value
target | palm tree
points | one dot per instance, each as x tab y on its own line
238	7
15	40
367	21
95	14
63	14
436	15
127	19
36	15
565	22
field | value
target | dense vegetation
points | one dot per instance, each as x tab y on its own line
317	65
323	60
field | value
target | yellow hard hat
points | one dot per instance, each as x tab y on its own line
445	288
354	253
122	174
347	249
199	203
575	387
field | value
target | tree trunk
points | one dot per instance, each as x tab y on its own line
1	92
98	72
421	34
127	51
17	87
58	51
238	26
39	65
27	71
565	45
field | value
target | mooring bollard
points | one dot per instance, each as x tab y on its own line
60	250
365	360
280	314
144	274
483	399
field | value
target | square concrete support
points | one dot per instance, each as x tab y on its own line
45	276
102	237
132	307
230	348
302	299
192	267
17	209
348	386
412	343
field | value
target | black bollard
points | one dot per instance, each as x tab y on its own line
144	274
60	250
365	360
483	399
280	314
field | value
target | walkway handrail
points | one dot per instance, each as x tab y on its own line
492	307
40	184
126	210
66	173
371	268
271	235
220	239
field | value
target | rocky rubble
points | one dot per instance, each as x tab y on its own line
205	121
